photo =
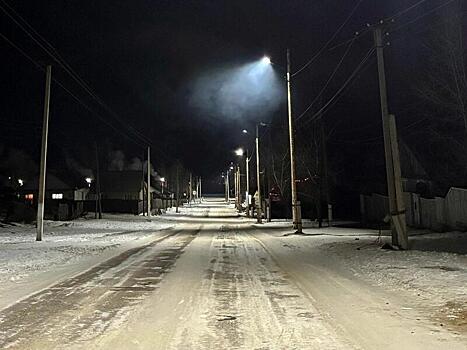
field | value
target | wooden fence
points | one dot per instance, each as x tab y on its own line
435	213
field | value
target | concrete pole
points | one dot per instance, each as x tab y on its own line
399	218
43	168
393	208
296	210
149	182
258	181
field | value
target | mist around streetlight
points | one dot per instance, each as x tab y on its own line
239	152
243	91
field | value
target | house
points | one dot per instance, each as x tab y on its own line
62	200
122	192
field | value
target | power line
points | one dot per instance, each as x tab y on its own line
330	40
404	11
41	68
427	13
55	55
388	19
52	52
329	80
338	92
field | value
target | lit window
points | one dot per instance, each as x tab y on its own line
57	195
29	196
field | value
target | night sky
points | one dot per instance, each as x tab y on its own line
146	60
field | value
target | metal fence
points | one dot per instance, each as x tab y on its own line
434	213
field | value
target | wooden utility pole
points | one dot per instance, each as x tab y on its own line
43	168
200	190
239	188
296	209
191	188
324	174
149	182
178	190
259	213
98	186
399	229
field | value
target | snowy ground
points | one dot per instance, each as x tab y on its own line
67	247
206	278
427	277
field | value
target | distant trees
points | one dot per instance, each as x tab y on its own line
443	89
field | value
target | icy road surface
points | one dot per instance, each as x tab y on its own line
215	281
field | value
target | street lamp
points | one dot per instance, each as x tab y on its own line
296	210
258	180
266	60
88	181
162	180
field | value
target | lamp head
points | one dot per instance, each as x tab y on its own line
239	152
266	60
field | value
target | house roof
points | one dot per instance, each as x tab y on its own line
121	181
52	183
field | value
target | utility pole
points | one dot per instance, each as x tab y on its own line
191	188
149	181
98	185
178	190
143	190
227	186
258	181
200	190
396	207
324	174
296	209
247	166
42	175
239	185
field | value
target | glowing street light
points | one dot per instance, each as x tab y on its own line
239	152
162	179
88	181
266	60
20	182
245	131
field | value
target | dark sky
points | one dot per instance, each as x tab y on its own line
143	57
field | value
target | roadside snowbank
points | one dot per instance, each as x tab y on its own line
430	275
67	242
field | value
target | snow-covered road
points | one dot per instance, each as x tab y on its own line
217	281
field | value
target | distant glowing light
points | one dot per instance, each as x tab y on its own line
239	152
266	60
162	179
21	182
245	131
88	180
231	168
